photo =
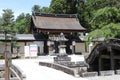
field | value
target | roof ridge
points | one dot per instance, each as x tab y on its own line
54	15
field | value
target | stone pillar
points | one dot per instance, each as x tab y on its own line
73	47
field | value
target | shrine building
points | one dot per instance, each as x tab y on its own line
53	31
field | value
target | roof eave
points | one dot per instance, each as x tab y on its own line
61	30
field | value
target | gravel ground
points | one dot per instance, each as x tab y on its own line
29	65
34	71
113	77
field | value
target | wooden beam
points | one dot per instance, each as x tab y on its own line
108	57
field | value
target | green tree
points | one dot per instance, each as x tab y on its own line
1	22
108	31
22	23
44	10
104	18
84	14
71	6
58	6
28	21
36	8
87	9
8	19
7	26
63	6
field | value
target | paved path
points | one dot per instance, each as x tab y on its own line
113	77
34	71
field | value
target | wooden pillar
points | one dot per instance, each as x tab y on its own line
85	46
99	63
25	43
56	47
68	45
11	48
8	63
45	47
111	59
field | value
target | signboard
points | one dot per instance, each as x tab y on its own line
33	50
27	53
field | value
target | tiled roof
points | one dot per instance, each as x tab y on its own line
57	22
25	37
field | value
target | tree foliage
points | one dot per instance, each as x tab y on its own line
1	22
109	31
22	23
7	20
105	16
36	8
7	23
63	6
84	14
44	10
103	19
58	6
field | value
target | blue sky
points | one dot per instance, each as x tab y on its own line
19	6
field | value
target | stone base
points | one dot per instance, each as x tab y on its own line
107	73
66	61
60	58
89	74
118	72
